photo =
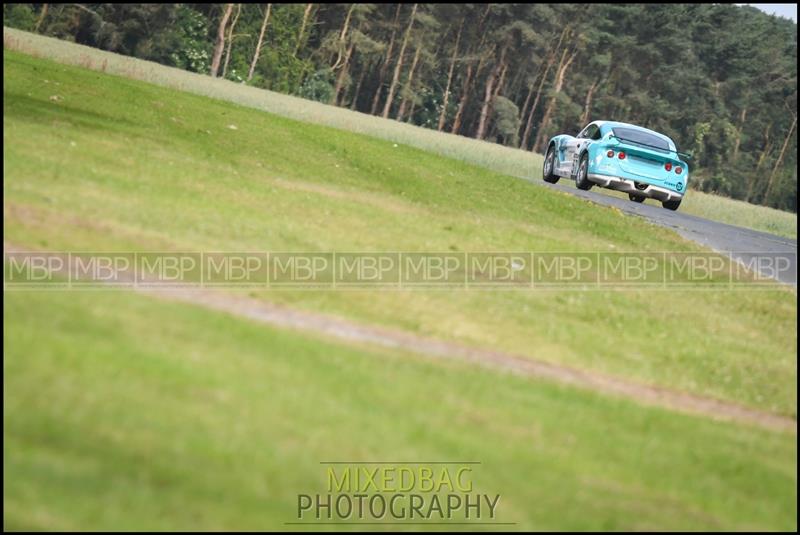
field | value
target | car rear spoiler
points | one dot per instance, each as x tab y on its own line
686	155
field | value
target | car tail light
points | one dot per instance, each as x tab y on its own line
610	154
679	170
668	167
621	155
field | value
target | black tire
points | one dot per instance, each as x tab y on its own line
581	179
549	166
671	205
635	198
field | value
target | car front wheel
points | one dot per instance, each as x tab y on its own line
635	198
671	205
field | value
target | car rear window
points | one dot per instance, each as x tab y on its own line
641	138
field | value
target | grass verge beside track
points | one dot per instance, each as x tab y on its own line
124	412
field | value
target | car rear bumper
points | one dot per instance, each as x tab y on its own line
629	186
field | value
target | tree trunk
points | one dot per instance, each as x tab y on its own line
399	65
587	106
526	136
514	87
476	76
230	40
742	118
497	89
488	94
524	108
778	162
220	44
561	72
411	111
551	58
343	36
258	45
471	72
385	64
446	98
353	103
40	20
409	85
752	178
306	15
462	103
483	18
342	73
500	82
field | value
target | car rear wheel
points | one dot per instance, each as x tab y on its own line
549	166
582	180
635	198
671	205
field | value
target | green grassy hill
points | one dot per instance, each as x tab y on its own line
113	401
114	164
498	158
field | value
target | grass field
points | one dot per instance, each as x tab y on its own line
110	409
211	422
118	164
490	155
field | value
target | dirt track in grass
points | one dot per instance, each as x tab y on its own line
319	324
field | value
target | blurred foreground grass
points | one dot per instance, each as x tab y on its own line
123	412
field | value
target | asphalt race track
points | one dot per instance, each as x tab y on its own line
743	244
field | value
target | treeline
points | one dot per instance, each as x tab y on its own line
720	79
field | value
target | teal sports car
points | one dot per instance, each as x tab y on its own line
624	157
